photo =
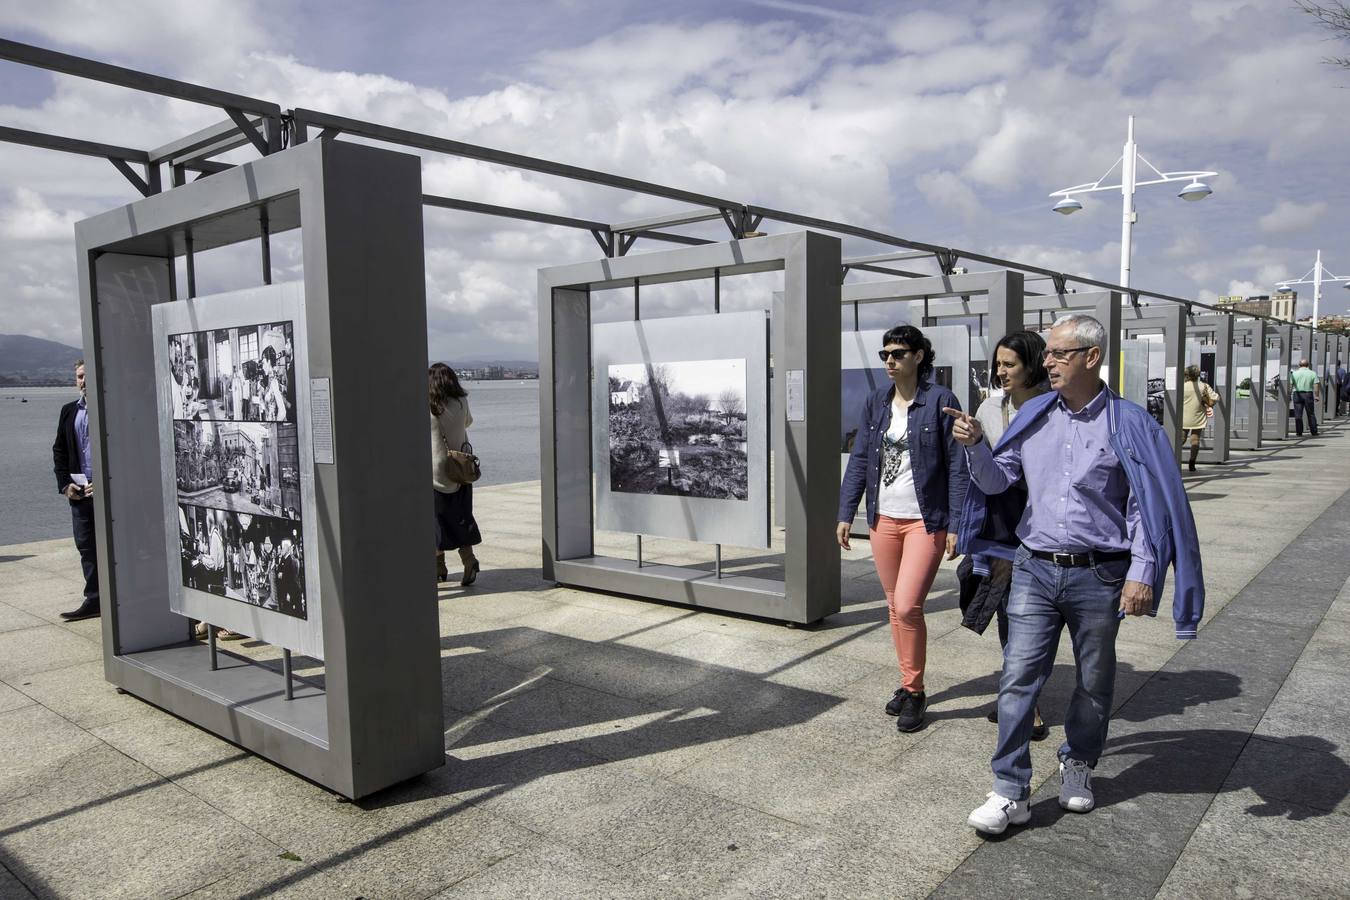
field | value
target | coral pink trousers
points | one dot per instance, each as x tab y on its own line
907	559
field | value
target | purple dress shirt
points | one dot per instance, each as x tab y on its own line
82	438
1078	497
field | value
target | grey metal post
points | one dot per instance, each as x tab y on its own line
266	249
286	673
191	265
1107	311
211	643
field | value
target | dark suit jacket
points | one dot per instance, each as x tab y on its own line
66	447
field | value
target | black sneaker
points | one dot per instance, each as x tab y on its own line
911	712
897	702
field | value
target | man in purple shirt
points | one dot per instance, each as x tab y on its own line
1084	558
72	463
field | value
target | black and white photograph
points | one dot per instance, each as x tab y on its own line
679	428
258	560
244	374
250	467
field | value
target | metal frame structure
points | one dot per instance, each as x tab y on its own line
266	127
807	422
1220	328
1252	334
361	211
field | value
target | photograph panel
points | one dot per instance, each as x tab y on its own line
258	560
244	374
679	428
251	467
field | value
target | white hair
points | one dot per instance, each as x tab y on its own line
1087	331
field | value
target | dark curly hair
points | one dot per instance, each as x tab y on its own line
1030	349
912	338
444	385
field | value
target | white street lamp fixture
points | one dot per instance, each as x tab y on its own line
1196	190
1128	162
1315	276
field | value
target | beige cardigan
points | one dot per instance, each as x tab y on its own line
454	423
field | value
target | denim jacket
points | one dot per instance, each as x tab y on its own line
1150	464
937	460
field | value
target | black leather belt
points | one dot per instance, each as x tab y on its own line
1078	560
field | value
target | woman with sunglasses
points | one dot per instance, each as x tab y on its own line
913	476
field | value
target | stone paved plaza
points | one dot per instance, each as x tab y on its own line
598	746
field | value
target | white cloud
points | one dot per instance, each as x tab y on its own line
934	126
1288	217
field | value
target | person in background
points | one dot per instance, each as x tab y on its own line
1304	382
237	396
71	457
1342	387
914	479
455	525
1197	399
1019	368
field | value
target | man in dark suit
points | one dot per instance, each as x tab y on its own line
289	599
72	463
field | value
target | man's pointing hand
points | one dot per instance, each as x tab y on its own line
966	428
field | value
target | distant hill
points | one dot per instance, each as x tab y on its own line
29	360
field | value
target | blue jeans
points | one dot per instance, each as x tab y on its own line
1043	599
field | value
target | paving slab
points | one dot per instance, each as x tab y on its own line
42	649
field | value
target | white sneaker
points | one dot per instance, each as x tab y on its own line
998	813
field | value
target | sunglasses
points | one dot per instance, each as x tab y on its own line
897	354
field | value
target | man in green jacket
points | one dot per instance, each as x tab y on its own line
1305	397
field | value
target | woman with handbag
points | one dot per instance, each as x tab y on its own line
913	476
454	468
1019	367
1197	405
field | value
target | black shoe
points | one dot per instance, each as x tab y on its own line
911	712
1040	732
87	610
897	702
1190	467
993	714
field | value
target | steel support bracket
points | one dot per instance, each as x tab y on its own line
947	261
626	242
141	184
605	239
735	222
1061	284
262	144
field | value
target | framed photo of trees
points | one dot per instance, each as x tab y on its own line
680	415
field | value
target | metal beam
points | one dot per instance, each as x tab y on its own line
858	262
71	145
207	142
503	158
246	128
687	217
80	67
508	212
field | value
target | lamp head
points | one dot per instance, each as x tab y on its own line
1196	190
1067	206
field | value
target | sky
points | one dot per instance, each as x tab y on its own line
947	123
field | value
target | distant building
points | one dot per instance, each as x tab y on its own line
1280	305
628	394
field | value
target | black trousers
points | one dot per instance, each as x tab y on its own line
82	522
1305	401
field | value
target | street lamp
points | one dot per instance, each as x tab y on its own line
1128	162
1315	277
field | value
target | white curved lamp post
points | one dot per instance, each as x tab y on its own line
1129	159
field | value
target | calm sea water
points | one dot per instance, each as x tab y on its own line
505	435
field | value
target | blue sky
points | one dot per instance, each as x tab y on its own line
941	122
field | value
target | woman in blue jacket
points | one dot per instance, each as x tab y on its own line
913	476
